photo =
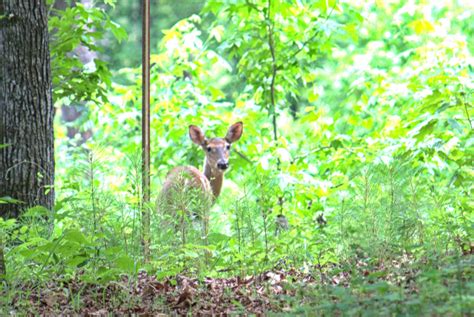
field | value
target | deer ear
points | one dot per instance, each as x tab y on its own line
196	135
235	132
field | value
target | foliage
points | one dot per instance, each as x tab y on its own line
76	29
164	14
356	165
277	48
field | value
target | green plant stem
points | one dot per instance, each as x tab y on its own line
467	114
92	196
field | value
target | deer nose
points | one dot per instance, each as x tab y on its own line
222	165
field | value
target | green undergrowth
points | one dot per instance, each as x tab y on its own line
437	285
384	245
434	284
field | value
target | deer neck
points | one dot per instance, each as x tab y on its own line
215	177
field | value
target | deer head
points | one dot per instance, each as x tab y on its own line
217	149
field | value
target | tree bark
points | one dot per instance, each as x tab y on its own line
26	107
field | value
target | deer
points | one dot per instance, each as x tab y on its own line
188	193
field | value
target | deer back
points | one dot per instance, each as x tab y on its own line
185	189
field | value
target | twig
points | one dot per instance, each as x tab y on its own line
311	152
243	156
467	114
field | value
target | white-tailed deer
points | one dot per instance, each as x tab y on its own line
187	192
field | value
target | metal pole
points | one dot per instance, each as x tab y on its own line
146	129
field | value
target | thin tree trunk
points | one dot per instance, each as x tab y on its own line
3	266
26	108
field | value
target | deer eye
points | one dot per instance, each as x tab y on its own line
228	147
209	149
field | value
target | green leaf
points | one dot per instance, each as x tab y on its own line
125	263
455	125
336	144
313	94
352	31
217	33
110	2
119	32
422	26
76	261
424	128
77	236
9	200
325	5
37	211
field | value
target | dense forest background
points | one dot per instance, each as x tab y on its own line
350	191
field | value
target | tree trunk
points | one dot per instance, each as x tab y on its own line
26	108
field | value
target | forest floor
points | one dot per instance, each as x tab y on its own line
400	286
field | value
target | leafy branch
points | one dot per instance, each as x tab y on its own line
314	36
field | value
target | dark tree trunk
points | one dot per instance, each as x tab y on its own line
26	108
3	266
